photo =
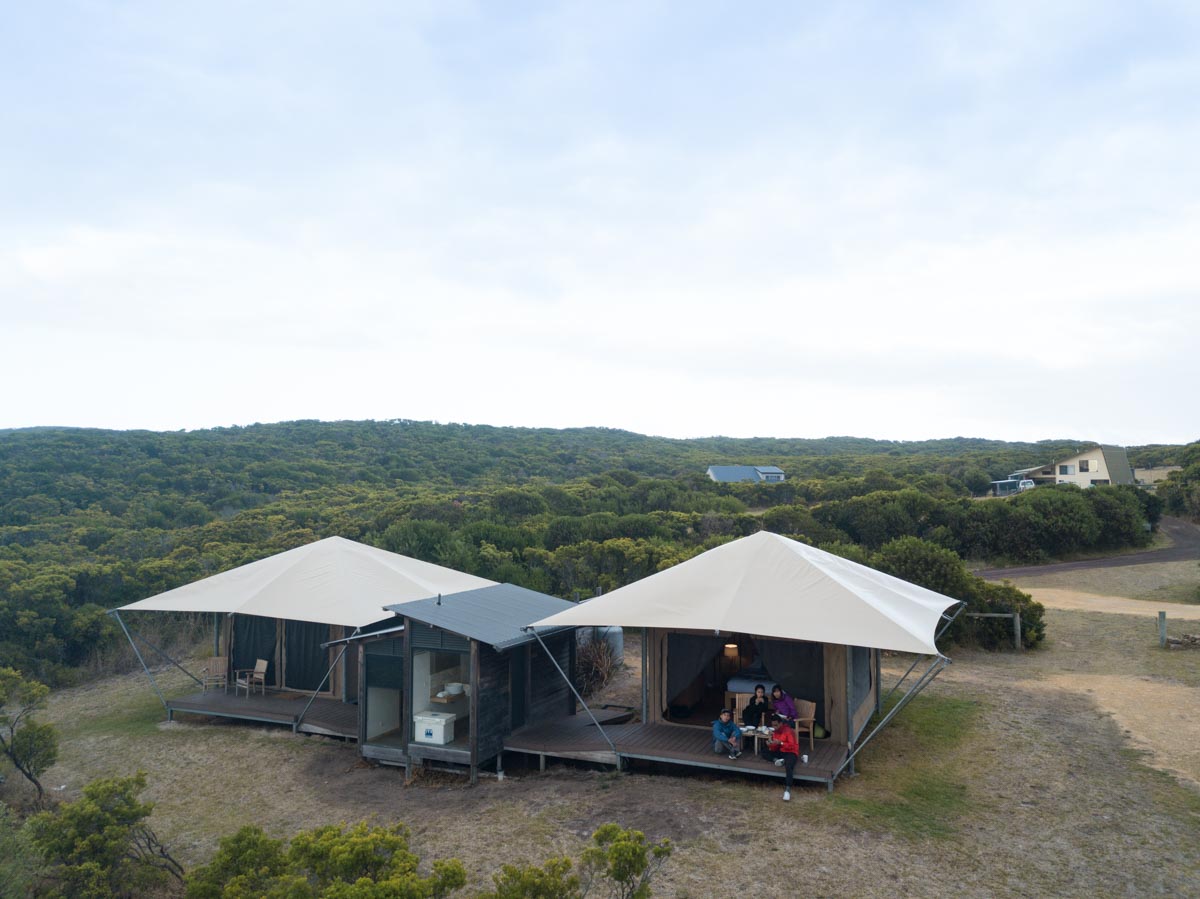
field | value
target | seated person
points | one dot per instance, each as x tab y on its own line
758	709
782	704
727	736
784	751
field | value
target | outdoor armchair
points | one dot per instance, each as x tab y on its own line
806	713
214	672
248	678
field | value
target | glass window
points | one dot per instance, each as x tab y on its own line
1084	465
1066	469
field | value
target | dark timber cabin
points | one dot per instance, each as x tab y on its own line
460	674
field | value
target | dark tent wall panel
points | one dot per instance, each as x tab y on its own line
864	687
690	667
305	663
254	638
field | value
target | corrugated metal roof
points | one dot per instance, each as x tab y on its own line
729	473
492	615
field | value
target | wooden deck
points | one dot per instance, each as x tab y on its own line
330	717
576	737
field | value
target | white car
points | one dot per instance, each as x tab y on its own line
1026	485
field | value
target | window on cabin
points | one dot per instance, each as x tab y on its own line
1066	469
1085	465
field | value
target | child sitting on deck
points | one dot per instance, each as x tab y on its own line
727	736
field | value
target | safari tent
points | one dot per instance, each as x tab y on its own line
767	609
291	610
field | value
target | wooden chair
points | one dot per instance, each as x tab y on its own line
247	678
214	672
806	713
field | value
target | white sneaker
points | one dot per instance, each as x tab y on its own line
787	795
778	763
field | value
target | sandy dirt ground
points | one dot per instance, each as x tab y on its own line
1058	598
1160	717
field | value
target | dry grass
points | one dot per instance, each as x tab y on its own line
1177	582
1013	775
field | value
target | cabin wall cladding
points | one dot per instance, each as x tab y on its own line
494	703
549	695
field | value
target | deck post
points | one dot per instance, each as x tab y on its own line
1017	645
1162	630
216	633
117	615
542	762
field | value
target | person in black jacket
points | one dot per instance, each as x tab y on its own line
757	710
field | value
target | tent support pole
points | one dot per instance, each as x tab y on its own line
571	686
300	717
216	633
937	667
949	621
168	658
128	636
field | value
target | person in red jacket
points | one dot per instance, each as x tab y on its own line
783	749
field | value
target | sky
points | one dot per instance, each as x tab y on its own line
899	221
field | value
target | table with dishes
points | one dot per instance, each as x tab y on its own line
756	734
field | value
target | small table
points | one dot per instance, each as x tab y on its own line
755	735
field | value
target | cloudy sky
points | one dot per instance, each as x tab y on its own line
804	219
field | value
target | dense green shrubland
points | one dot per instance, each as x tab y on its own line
90	520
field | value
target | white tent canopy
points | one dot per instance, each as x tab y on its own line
332	581
771	586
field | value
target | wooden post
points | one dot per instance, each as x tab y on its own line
1162	630
216	633
1017	645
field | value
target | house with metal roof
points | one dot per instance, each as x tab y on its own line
732	474
462	672
1101	464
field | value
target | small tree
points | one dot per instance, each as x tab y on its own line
624	859
20	865
359	862
101	846
31	747
619	864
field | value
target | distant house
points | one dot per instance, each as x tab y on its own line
732	474
1099	465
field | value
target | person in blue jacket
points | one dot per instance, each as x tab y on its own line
727	736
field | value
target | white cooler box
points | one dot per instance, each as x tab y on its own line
434	727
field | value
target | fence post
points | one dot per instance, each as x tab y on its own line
1017	632
1162	630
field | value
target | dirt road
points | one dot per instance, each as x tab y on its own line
1185	547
